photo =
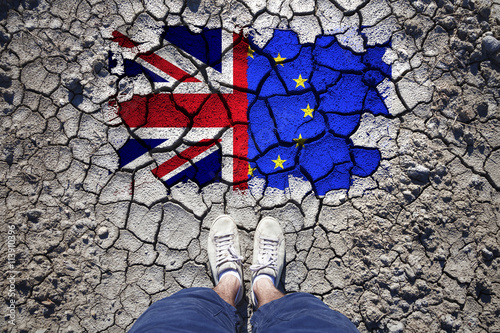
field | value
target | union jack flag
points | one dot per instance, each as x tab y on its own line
195	123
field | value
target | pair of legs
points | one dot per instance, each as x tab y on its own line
207	310
225	260
264	290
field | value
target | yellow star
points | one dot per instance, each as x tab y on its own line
300	141
250	170
279	60
250	52
278	162
300	81
308	111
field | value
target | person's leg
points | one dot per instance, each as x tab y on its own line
204	310
227	289
268	261
266	292
225	258
297	313
189	310
276	312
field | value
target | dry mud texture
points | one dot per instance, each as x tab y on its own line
413	248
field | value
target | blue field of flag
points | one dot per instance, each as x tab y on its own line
304	103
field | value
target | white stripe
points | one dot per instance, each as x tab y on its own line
196	134
170	134
187	164
227	153
139	161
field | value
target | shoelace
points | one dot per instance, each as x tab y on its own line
268	255
225	250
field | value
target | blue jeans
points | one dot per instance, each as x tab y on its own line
202	310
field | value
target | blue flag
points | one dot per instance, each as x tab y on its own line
304	102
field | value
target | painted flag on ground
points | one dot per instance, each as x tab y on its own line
190	131
304	103
227	110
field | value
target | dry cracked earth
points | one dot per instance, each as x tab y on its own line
414	247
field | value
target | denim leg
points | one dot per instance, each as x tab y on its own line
300	312
189	310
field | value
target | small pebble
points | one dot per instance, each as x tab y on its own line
491	45
102	232
488	255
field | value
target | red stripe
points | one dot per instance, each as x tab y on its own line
155	60
182	158
123	40
239	106
166	110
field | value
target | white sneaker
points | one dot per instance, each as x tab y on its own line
268	252
224	250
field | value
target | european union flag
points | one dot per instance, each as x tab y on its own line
304	102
